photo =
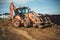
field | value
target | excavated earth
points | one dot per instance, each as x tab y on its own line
9	32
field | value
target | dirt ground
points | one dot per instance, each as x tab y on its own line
9	32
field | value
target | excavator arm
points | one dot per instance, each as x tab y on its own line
12	8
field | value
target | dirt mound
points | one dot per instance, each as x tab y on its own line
5	34
9	32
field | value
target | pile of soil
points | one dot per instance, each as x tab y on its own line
9	32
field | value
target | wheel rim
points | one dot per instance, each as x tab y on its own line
25	24
16	24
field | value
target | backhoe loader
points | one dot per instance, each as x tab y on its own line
24	17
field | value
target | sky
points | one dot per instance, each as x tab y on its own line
39	6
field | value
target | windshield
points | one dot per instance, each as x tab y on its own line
23	11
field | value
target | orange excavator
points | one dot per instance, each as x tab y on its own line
22	16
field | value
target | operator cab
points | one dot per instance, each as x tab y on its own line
22	10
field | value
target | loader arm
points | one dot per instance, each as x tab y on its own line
34	19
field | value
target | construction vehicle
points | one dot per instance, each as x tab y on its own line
24	17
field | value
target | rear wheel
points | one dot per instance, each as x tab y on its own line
26	22
16	22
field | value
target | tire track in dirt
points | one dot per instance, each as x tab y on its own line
21	32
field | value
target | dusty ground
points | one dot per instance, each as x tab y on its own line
9	32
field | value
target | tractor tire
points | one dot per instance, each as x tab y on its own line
16	22
26	22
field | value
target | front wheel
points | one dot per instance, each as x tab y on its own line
26	22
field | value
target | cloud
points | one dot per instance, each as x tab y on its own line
16	1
